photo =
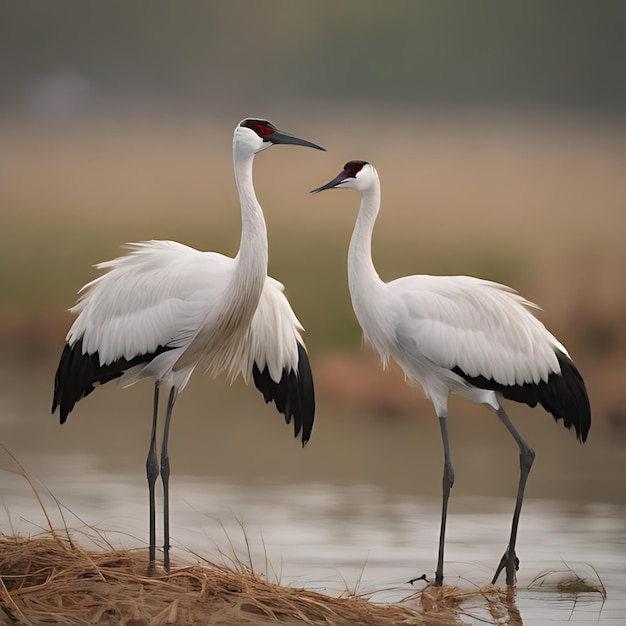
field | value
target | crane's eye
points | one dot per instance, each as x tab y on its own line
262	128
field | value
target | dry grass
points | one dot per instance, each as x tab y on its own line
50	579
569	582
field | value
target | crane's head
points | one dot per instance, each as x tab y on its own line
358	175
258	135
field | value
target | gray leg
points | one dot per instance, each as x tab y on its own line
152	470
165	477
448	481
526	457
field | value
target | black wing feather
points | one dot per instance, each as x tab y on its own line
563	395
293	395
78	374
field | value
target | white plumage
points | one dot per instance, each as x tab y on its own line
482	327
164	293
460	334
165	308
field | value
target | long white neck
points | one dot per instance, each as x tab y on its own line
362	276
252	257
219	346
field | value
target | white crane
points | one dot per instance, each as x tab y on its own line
165	308
464	335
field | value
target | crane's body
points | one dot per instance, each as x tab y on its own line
460	334
165	308
196	316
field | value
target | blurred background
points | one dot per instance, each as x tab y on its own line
499	132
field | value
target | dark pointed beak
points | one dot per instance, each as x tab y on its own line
334	182
279	136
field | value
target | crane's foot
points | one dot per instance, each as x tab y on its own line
510	562
422	577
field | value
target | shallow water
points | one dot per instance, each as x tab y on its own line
357	510
358	538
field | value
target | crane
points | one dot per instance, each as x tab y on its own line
460	334
165	308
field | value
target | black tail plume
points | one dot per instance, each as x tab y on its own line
293	395
78	373
563	395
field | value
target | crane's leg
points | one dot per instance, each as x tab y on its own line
509	560
152	470
165	477
448	481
